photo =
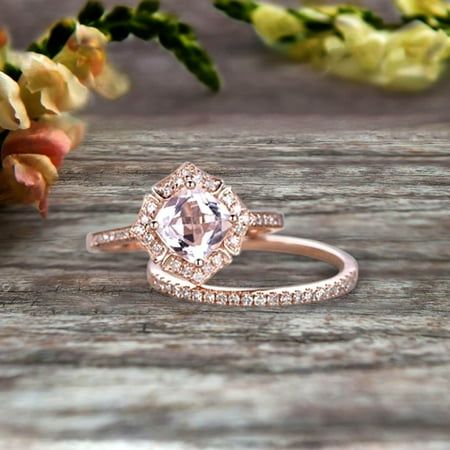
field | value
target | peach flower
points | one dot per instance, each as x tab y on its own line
49	87
13	114
85	55
40	139
27	178
30	161
74	128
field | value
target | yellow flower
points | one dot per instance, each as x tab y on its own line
13	114
416	57
410	59
27	178
85	55
273	23
437	8
49	87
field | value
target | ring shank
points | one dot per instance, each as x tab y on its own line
123	240
340	284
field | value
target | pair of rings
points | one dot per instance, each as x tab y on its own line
192	225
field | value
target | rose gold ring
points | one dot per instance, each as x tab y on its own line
192	224
340	284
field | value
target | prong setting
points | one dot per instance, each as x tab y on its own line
190	184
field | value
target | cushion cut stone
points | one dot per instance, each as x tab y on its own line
193	223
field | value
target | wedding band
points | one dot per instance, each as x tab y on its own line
338	285
192	224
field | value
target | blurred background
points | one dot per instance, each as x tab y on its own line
256	80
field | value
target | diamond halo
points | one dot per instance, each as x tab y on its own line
192	224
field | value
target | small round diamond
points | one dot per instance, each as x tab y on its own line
210	297
149	238
138	230
260	299
151	208
198	276
178	292
211	184
175	265
218	260
234	299
247	299
221	298
233	241
208	268
272	298
297	297
307	296
285	298
166	191
197	296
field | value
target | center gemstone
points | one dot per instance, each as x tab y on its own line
193	223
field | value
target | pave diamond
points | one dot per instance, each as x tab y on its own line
193	223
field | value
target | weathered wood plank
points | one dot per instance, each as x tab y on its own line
88	352
91	358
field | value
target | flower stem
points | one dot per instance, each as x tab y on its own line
145	22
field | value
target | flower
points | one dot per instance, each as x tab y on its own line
437	8
40	139
410	59
27	178
74	128
13	114
30	161
49	87
85	56
273	23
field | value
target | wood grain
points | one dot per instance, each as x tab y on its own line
91	358
90	355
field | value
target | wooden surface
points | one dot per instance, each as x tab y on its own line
87	351
90	358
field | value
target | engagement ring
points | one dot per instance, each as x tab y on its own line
192	224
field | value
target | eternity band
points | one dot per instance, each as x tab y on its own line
340	284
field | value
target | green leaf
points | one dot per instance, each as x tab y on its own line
36	48
240	10
119	32
117	23
12	71
144	28
118	14
91	12
147	7
58	37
